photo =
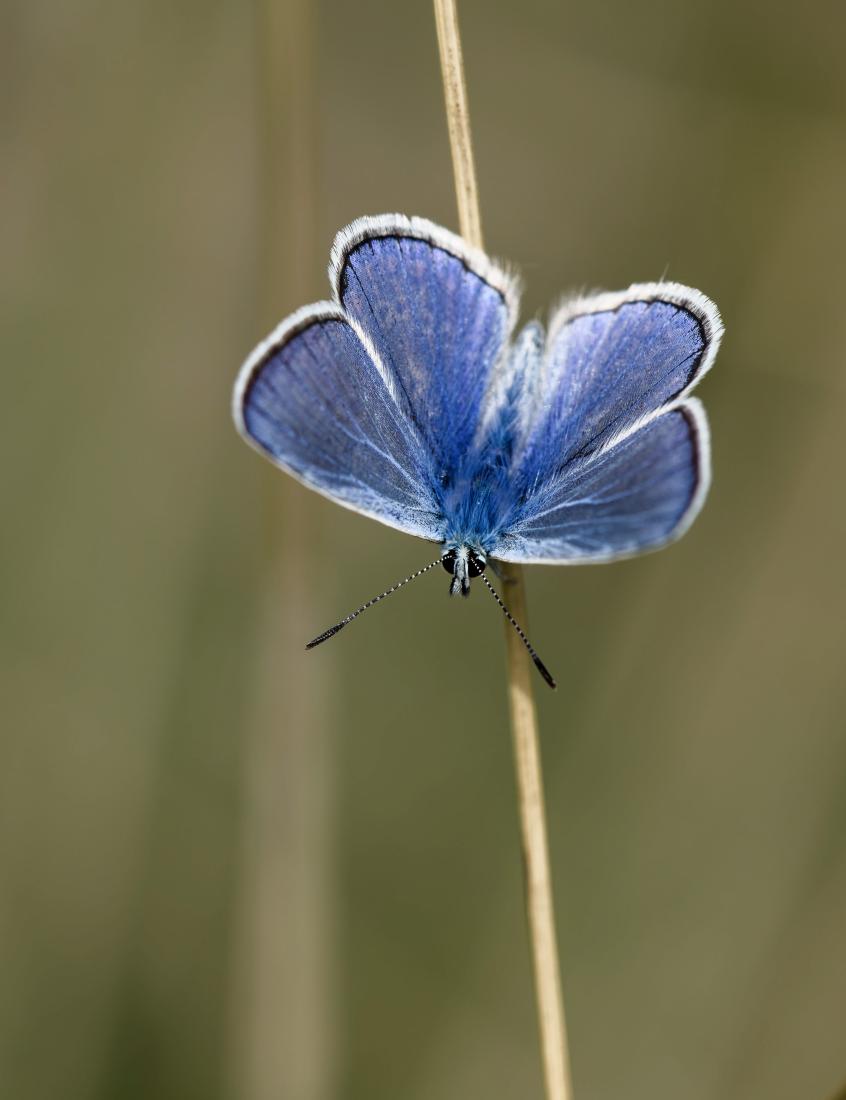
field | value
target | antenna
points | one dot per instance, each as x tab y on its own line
354	615
539	665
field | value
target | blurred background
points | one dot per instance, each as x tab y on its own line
231	869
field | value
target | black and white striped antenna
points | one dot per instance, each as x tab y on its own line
539	665
333	630
327	634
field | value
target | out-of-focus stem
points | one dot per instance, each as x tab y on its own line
282	1019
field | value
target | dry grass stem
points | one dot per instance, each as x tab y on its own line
458	121
524	724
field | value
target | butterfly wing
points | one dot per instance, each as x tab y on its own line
315	401
439	314
636	496
609	459
372	399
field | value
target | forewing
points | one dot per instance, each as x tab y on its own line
315	401
634	497
438	314
612	362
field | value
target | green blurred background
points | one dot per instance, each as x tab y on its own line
234	870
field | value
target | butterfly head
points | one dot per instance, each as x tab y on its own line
463	563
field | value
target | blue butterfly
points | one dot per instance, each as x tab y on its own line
406	399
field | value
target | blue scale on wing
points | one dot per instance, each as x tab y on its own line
626	500
607	370
317	405
438	326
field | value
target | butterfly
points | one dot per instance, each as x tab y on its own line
409	399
